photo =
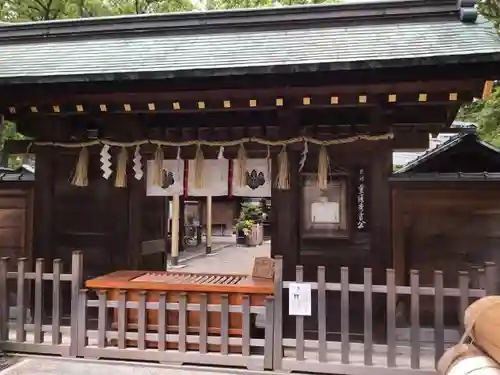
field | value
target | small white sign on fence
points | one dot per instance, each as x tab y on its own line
299	299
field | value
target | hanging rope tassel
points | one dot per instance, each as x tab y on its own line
242	165
198	167
80	178
157	167
268	161
323	168
121	169
283	178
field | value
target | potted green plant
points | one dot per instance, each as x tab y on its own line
250	221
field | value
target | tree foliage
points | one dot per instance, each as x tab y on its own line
234	4
119	7
46	10
491	10
486	113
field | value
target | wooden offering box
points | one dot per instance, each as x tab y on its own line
194	285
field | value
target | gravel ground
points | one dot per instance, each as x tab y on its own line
230	260
51	366
7	361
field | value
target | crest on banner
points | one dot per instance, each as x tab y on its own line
214	178
172	179
256	179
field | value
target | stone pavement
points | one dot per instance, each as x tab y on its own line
55	366
229	260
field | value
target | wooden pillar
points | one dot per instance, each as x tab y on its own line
44	203
182	228
208	248
166	228
199	227
380	213
175	230
285	217
285	229
285	203
137	192
401	222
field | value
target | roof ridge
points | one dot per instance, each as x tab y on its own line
457	138
295	16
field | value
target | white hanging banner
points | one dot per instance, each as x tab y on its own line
257	179
214	178
172	179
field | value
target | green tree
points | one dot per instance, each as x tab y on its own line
491	10
118	7
486	112
233	4
10	132
47	10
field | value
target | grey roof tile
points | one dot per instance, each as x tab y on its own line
248	49
24	173
449	144
446	177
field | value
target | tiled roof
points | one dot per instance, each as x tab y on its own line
408	170
445	177
23	173
333	37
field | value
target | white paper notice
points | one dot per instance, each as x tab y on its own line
299	299
325	213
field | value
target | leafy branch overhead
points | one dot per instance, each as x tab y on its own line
45	10
491	10
486	113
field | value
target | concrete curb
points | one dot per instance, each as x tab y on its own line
187	369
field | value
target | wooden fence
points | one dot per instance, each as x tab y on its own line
346	357
151	342
47	334
98	328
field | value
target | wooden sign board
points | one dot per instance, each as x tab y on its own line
263	267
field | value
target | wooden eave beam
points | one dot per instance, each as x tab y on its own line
246	94
96	110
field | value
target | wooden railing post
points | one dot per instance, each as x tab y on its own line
322	345
21	299
438	315
368	317
299	321
82	322
278	313
76	285
415	319
56	301
269	333
38	311
391	297
490	270
4	306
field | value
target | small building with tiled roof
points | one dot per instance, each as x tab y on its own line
446	209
